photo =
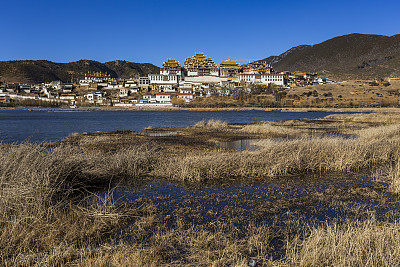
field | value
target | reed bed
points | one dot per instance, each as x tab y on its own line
359	243
40	194
392	117
376	146
212	125
268	129
47	220
366	243
391	175
184	246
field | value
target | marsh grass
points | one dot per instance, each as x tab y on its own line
212	125
359	243
268	129
376	146
46	218
188	246
40	192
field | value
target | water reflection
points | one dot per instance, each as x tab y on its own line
240	145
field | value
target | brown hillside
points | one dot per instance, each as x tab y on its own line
35	71
345	57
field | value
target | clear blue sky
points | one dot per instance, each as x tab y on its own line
152	31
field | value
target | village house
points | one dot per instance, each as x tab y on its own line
163	83
123	92
250	78
24	88
163	98
68	98
5	99
133	90
144	83
130	84
95	98
185	96
148	99
277	79
185	91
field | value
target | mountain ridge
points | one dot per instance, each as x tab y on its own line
36	71
352	56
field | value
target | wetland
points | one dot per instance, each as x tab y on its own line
295	192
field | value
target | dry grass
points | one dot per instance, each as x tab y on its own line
46	220
378	117
191	247
368	243
39	191
289	157
394	177
268	129
212	125
359	243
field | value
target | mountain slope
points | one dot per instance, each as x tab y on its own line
348	56
34	71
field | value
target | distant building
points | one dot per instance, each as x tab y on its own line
199	65
185	97
277	79
257	68
144	83
4	99
229	69
164	83
163	98
171	67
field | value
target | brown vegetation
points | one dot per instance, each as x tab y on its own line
50	214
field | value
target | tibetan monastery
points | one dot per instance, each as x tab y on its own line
171	67
199	65
229	69
257	68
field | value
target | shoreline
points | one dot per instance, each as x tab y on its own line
283	109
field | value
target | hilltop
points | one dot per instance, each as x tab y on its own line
353	56
35	71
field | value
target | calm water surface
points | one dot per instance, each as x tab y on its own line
47	125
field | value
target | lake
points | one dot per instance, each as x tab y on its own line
53	125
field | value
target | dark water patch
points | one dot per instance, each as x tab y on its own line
283	205
251	144
239	145
319	198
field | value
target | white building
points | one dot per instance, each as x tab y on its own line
144	81
185	97
163	98
130	84
94	97
163	79
277	79
123	92
250	78
4	99
185	90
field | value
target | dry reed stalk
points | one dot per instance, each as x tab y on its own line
288	157
39	190
212	125
368	243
